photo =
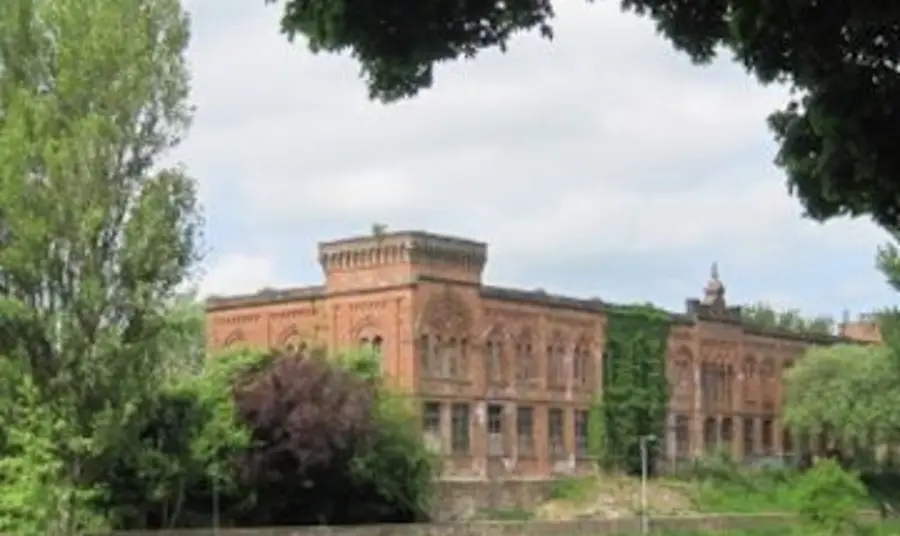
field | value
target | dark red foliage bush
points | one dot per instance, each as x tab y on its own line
305	407
309	417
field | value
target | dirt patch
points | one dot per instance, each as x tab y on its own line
615	496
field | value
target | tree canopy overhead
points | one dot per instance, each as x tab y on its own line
835	135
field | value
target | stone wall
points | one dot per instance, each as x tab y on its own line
585	527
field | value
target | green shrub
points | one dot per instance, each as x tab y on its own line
189	436
39	492
723	485
572	488
396	459
829	499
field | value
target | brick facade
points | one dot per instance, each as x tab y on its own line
505	376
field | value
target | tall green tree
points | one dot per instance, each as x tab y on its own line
96	235
850	391
839	58
184	337
766	316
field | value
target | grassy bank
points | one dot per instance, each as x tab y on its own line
710	487
888	529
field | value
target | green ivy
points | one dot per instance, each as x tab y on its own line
634	398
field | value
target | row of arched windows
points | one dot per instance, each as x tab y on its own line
506	361
443	357
757	435
717	379
519	360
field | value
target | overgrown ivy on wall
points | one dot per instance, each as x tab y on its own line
634	398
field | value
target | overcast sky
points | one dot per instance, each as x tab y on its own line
603	164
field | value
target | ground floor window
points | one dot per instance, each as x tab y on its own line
581	432
556	432
460	441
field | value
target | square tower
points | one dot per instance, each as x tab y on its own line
383	259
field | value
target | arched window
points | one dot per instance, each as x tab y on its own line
682	437
708	384
721	383
295	347
750	378
729	386
727	433
494	353
526	361
750	367
443	357
767	383
768	437
234	339
368	334
710	435
429	366
681	362
749	437
582	363
556	361
373	342
454	355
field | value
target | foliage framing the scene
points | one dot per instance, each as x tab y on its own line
329	434
635	394
839	158
96	238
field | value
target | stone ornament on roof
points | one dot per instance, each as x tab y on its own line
712	305
714	292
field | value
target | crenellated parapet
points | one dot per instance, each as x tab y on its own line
410	253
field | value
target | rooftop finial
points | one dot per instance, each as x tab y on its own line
714	293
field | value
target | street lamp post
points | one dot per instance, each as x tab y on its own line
215	500
642	442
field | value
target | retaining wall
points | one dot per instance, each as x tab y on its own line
585	527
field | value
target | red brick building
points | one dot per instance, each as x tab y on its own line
505	376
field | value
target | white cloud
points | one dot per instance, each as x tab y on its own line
239	274
603	143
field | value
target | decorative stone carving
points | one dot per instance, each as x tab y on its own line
446	312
